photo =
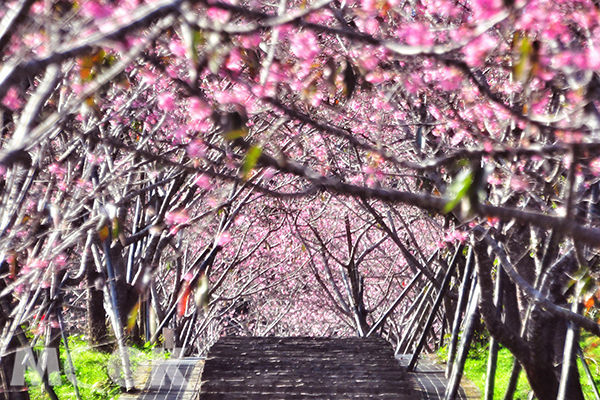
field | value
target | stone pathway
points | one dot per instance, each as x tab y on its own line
175	379
240	368
431	381
244	368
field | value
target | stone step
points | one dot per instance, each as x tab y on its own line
301	396
304	368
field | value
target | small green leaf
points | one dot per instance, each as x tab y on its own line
215	60
250	160
103	232
117	228
192	38
202	293
586	287
235	134
132	317
524	48
581	273
458	189
569	284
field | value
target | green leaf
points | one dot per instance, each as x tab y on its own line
524	48
131	318
215	60
103	233
250	160
235	134
581	273
192	38
202	293
88	65
458	189
587	287
117	228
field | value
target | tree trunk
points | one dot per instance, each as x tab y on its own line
434	309
537	351
96	315
7	363
463	298
7	360
570	387
490	381
465	344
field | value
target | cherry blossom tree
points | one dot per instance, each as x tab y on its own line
242	167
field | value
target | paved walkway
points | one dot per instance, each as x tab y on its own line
431	381
292	369
175	379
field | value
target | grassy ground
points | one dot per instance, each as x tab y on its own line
92	371
475	370
476	366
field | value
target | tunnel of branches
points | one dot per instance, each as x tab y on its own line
426	172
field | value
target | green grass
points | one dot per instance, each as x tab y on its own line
591	349
92	372
476	369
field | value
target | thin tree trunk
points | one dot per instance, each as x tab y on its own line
95	313
116	319
512	314
391	308
493	351
421	314
71	375
463	298
458	368
410	325
513	380
436	306
7	364
9	357
570	387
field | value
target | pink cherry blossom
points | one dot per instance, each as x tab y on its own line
176	218
12	100
57	170
457	235
224	239
519	184
203	181
593	58
95	9
305	45
485	9
234	61
595	166
416	34
250	41
198	109
177	47
476	51
218	14
166	101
